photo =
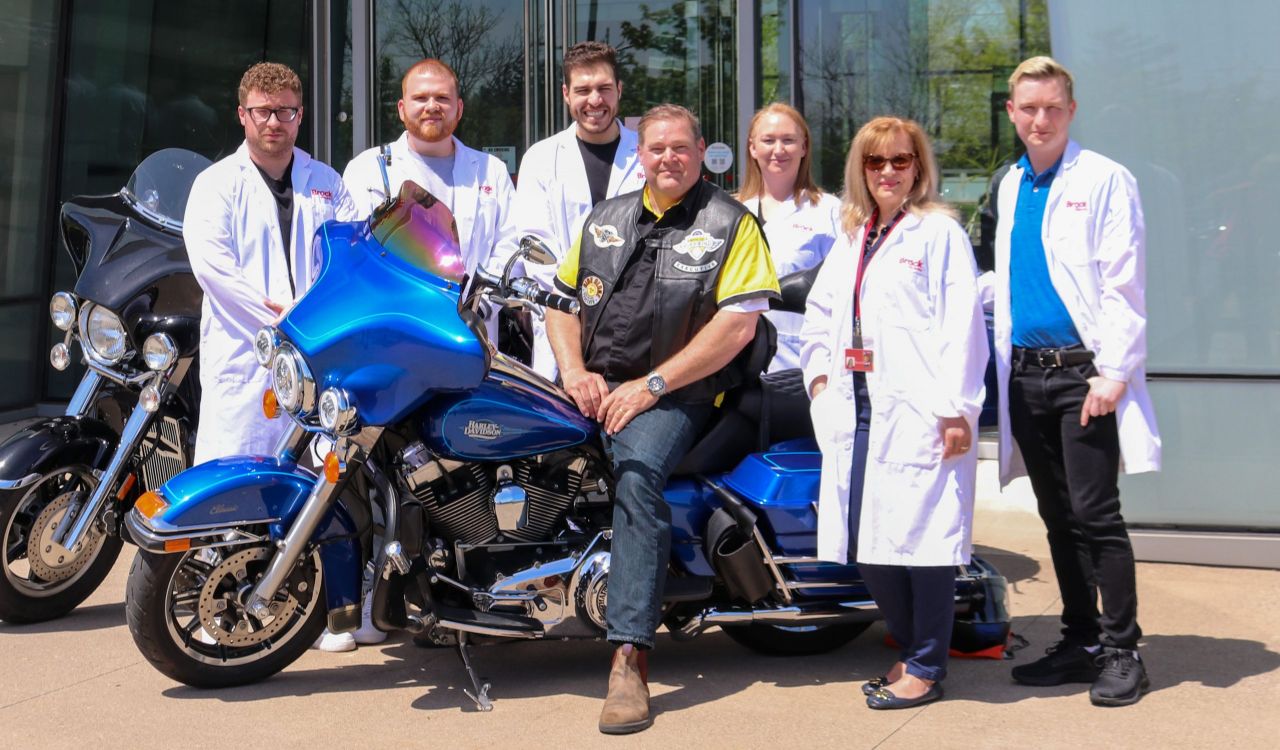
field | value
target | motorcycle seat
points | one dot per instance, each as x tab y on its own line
751	418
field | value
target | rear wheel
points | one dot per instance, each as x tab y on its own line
187	614
795	640
39	579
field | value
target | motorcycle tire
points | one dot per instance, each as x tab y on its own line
173	632
800	640
41	581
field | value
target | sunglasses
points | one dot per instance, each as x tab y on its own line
876	163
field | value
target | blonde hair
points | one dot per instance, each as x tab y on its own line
805	189
858	204
269	78
1042	68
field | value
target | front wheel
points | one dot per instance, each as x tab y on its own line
794	640
39	579
187	614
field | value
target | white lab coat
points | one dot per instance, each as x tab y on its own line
232	232
482	197
799	239
553	200
923	321
1094	241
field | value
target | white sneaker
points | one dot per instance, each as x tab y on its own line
367	634
335	643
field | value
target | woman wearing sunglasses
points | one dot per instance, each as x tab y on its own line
800	221
893	356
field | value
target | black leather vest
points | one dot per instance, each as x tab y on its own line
691	252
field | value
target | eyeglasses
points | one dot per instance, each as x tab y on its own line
875	162
262	115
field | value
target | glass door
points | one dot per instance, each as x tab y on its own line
678	51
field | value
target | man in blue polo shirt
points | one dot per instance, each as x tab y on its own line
1070	338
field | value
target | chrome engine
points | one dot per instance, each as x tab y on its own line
507	538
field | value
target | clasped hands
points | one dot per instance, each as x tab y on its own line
613	410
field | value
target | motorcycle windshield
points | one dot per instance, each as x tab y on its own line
159	187
419	230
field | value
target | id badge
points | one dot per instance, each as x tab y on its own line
859	360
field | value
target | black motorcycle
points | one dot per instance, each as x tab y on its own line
66	482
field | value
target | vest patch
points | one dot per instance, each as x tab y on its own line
697	244
605	236
592	290
695	269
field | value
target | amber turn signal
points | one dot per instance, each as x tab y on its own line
177	545
150	504
270	408
332	468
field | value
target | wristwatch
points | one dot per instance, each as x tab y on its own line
656	384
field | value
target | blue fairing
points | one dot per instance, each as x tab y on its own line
388	333
505	418
246	490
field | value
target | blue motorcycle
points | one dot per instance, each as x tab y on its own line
474	491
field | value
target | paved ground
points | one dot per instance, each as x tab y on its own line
1212	644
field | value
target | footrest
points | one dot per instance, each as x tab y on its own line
488	623
687	588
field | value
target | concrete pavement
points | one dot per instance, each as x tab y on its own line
1212	646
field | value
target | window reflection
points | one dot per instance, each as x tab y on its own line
943	63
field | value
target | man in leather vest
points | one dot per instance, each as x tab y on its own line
672	280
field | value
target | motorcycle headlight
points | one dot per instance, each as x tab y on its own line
337	415
264	345
291	380
105	334
62	308
159	352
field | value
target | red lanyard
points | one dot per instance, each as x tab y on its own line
869	247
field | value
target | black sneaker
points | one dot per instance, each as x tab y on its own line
1123	679
1063	662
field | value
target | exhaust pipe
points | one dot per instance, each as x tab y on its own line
827	613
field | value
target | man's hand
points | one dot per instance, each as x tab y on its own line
587	389
1104	394
955	436
273	306
626	401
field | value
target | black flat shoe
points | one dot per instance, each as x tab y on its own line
874	684
883	699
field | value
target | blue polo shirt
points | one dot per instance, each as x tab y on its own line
1040	320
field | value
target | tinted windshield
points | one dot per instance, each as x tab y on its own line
159	187
419	229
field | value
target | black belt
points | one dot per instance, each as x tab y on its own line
1068	357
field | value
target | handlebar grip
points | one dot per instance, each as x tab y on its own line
556	301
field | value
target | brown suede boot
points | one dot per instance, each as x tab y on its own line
626	709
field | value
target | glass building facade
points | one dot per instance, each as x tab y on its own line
91	88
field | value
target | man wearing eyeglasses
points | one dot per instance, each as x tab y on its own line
248	228
1070	344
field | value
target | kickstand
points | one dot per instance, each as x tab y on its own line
481	695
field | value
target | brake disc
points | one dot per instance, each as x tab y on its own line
49	561
221	611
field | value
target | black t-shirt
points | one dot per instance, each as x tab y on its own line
598	159
282	191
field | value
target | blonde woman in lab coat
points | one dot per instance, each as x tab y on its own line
800	221
895	374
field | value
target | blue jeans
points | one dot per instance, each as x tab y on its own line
644	454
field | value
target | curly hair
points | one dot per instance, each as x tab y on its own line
269	78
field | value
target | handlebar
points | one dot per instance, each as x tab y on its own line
528	289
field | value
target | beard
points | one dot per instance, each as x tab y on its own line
432	132
282	144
